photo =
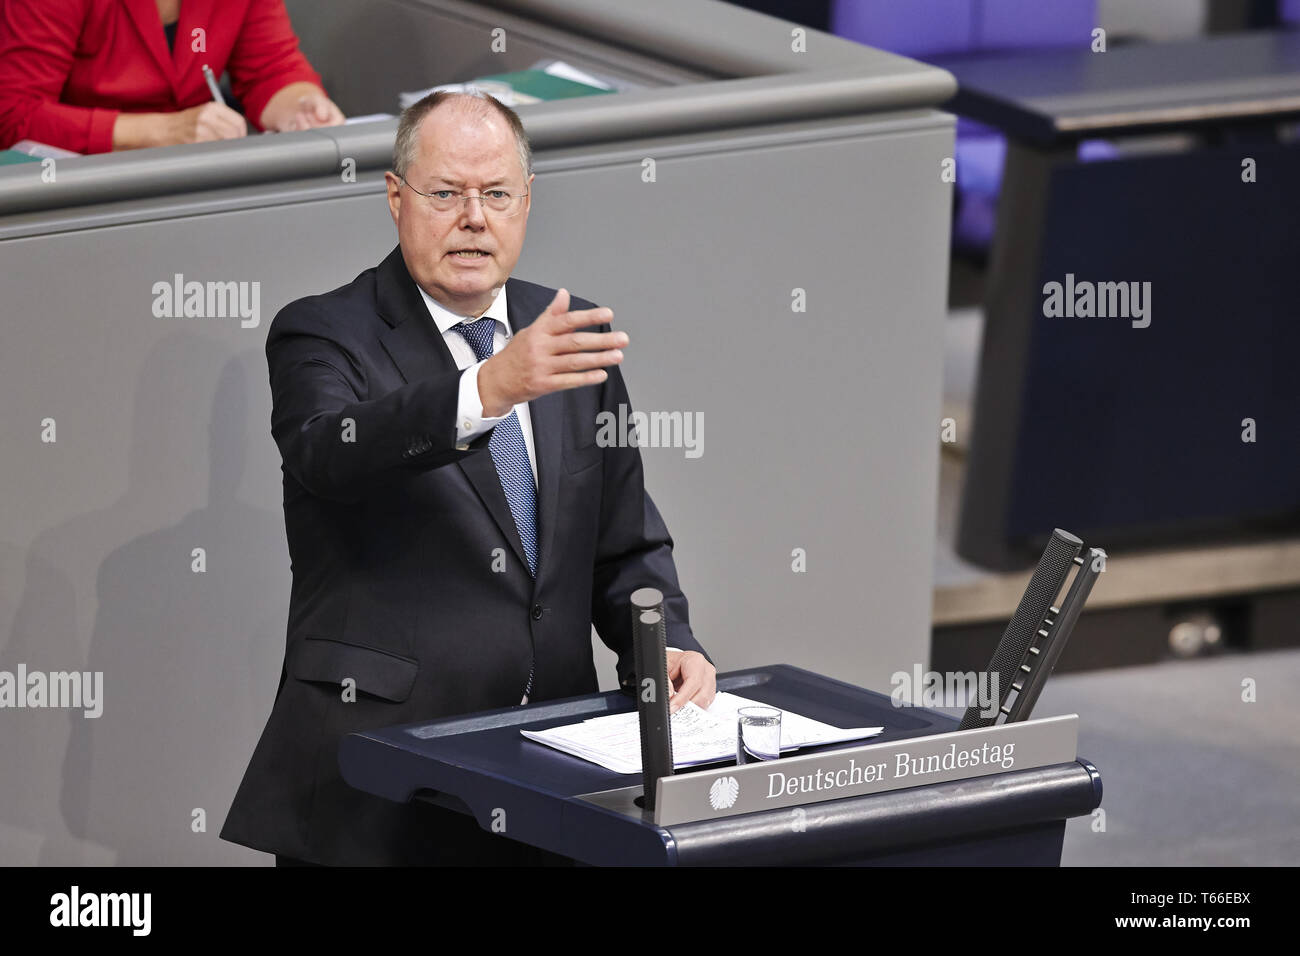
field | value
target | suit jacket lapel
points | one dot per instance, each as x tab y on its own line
419	352
194	13
412	340
144	14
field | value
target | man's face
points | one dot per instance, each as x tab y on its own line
463	150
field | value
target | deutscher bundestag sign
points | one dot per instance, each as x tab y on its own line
872	768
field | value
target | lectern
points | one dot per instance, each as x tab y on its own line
936	813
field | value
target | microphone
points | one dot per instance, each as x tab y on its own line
1021	665
653	688
1048	650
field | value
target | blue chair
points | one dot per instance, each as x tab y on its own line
924	29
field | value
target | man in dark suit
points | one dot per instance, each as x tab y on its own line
455	527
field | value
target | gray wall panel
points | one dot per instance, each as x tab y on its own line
162	447
818	427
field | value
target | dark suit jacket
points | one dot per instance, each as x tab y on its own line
392	538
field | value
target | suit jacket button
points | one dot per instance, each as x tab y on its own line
537	612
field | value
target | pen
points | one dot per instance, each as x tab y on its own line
212	84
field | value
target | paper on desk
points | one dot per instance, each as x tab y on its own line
44	150
567	71
501	91
506	93
699	736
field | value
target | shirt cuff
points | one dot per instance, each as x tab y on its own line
470	420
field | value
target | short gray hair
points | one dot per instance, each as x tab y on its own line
408	127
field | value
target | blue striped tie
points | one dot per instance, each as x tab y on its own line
509	453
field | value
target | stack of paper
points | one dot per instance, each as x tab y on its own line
699	736
31	147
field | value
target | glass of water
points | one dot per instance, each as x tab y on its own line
758	734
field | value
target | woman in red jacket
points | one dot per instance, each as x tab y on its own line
96	75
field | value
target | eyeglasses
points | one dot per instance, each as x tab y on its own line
500	202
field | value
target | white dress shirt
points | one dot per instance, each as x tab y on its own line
470	420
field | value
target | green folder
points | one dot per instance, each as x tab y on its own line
9	157
542	85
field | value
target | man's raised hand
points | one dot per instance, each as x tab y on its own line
550	355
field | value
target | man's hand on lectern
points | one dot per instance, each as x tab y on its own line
694	679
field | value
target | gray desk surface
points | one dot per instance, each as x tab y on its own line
764	78
1060	94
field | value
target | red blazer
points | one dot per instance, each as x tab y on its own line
68	67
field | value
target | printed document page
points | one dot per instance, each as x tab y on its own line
699	736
